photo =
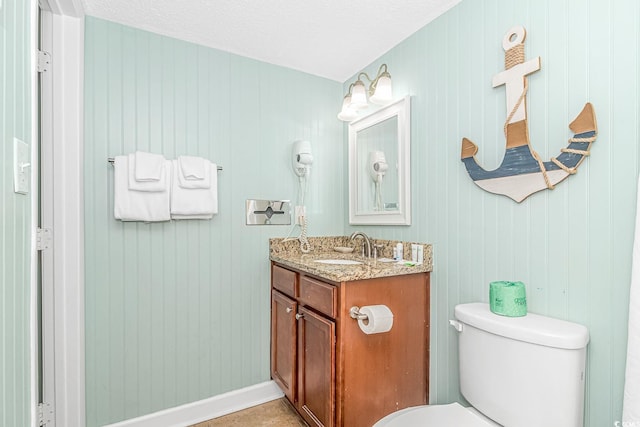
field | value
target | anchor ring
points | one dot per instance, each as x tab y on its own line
513	37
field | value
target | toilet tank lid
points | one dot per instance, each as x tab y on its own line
531	328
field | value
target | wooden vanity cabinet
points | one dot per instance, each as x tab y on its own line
284	329
303	343
333	373
316	368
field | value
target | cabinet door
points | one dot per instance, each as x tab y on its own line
316	368
283	343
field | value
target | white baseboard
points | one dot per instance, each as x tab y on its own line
217	406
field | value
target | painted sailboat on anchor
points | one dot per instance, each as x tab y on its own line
522	172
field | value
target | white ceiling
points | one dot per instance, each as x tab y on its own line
328	38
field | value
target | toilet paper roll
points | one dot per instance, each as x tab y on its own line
379	319
508	299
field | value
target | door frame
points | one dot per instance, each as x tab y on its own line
61	204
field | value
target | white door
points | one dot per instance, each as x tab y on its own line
61	289
45	222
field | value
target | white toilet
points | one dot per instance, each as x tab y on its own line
515	371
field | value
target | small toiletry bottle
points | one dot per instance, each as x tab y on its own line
399	252
395	253
420	254
377	250
414	253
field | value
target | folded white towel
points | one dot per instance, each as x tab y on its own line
131	205
192	168
149	185
194	202
178	217
148	166
194	172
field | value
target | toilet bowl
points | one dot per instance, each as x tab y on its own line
451	415
514	371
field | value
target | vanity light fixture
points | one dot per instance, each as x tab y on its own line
379	92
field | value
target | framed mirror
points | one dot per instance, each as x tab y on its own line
379	166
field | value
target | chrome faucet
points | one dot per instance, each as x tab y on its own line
366	239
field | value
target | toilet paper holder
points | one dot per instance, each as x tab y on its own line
354	312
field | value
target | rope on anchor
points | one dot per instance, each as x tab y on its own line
514	56
550	186
589	139
516	106
535	155
562	166
574	151
586	152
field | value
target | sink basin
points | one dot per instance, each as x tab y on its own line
338	261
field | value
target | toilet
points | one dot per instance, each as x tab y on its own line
515	372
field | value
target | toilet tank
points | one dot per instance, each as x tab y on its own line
522	371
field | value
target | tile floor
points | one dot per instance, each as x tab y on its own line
277	413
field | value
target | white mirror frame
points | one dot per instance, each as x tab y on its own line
401	216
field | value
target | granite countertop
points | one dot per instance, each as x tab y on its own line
288	253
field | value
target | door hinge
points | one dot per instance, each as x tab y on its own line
44	60
45	414
44	237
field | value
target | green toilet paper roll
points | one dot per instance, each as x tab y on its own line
508	298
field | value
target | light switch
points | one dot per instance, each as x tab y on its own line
21	166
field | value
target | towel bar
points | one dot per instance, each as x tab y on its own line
111	159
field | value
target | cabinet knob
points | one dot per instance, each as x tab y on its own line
299	316
289	309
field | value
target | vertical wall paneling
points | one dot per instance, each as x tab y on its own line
178	312
15	216
570	246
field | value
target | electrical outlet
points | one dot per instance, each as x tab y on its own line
21	166
299	212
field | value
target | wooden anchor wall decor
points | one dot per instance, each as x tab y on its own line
522	172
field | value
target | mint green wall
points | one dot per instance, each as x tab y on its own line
15	211
570	246
179	312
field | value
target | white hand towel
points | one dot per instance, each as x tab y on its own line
131	205
149	185
194	172
194	202
192	168
148	166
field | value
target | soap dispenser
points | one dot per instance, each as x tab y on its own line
399	252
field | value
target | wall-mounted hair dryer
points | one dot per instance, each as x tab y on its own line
377	165
302	158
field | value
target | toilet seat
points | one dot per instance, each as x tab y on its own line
451	415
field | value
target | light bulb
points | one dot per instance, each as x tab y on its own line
359	96
347	113
383	94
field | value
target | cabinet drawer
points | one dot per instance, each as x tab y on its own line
284	280
318	295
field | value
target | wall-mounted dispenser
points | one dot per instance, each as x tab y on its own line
378	167
268	212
